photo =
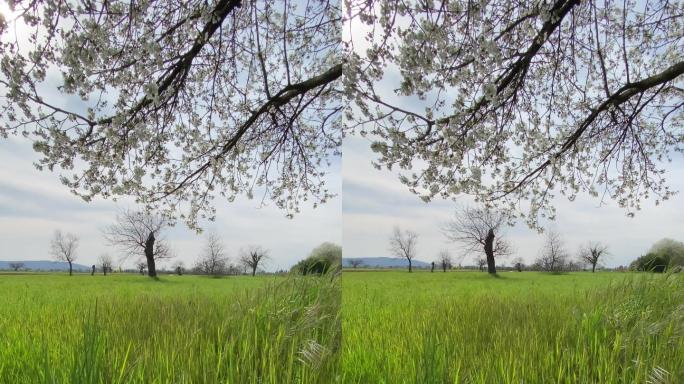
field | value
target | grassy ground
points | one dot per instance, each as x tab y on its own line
519	328
181	329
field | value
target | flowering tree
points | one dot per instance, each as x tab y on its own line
520	100
175	102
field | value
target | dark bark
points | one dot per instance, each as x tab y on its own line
593	268
410	269
433	267
70	269
149	255
92	273
254	267
489	251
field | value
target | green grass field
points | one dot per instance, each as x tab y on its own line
181	329
396	327
467	327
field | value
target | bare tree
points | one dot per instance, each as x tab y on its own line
519	264
213	260
403	244
252	257
355	262
592	254
17	265
63	247
139	233
106	263
553	256
478	230
481	261
178	267
141	265
521	99
445	260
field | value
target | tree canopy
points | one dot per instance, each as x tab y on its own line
175	103
515	101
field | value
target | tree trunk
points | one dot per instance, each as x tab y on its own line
254	270
489	251
410	270
70	269
149	255
593	268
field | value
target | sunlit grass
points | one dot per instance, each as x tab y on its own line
182	329
466	327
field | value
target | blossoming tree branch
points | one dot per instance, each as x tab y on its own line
521	100
175	103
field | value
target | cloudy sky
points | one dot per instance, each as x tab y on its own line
34	204
375	201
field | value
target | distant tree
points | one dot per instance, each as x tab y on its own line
324	258
252	257
355	262
593	253
16	265
519	264
478	230
179	267
213	260
671	250
481	262
141	265
63	248
403	244
553	256
663	254
575	265
444	259
139	233
105	263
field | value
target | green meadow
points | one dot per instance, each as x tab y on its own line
528	327
181	329
393	327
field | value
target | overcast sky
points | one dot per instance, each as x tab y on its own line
34	204
375	201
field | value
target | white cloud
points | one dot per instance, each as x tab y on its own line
374	201
33	204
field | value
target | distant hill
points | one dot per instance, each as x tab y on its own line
44	265
384	262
